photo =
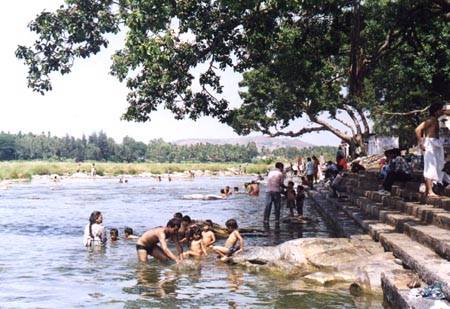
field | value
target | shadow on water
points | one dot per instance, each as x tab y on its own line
41	246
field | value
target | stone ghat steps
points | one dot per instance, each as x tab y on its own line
426	263
423	223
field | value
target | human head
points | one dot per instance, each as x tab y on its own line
128	231
173	225
300	188
197	233
290	184
222	191
236	189
178	215
207	225
279	166
308	159
436	109
114	234
96	217
186	220
231	224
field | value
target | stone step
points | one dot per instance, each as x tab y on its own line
376	229
426	263
431	236
397	220
397	294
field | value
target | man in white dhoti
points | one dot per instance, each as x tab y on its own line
427	134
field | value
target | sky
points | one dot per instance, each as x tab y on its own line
89	99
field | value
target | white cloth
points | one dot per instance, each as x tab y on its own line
99	233
433	159
275	180
310	168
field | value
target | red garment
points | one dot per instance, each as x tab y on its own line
342	162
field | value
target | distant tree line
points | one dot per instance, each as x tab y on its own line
100	147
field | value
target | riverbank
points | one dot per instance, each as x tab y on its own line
28	169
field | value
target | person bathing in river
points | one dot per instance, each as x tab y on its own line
147	244
185	231
208	236
114	234
197	248
231	244
94	232
427	134
300	199
128	232
290	198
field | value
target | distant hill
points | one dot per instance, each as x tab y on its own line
260	141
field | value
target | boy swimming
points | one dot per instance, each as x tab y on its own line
231	246
208	236
197	247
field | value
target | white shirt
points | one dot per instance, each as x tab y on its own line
274	181
99	233
310	168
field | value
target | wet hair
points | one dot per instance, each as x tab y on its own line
186	219
114	232
92	219
174	222
231	224
279	165
196	231
178	215
128	230
435	107
236	189
208	223
222	191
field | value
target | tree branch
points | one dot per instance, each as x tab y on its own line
413	112
352	115
330	128
345	124
291	133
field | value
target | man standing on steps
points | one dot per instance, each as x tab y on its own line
275	182
427	134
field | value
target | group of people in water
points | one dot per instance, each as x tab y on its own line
197	237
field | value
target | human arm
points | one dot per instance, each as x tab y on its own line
241	242
202	245
165	248
419	134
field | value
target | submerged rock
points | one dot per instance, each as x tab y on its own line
357	262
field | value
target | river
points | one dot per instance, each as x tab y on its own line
43	263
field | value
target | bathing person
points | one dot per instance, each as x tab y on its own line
290	197
253	188
114	234
94	232
275	181
427	134
128	232
197	248
147	244
178	215
231	244
93	170
300	199
184	233
208	236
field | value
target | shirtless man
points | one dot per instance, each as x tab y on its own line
427	134
253	188
147	244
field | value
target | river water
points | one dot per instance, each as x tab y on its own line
43	263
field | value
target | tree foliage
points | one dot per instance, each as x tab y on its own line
344	60
100	147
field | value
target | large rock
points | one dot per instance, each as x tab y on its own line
358	262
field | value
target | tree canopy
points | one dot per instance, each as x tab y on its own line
345	60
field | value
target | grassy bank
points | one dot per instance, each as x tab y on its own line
26	169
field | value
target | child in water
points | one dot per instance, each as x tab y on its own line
197	248
290	197
300	199
128	232
231	244
208	236
114	234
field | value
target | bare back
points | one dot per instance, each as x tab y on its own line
152	237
